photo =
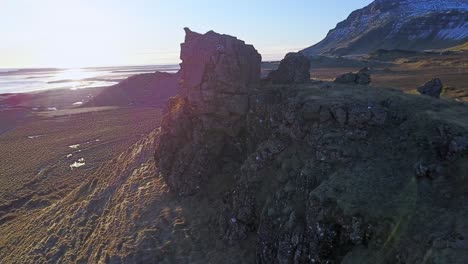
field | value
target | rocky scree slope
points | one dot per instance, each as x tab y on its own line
397	24
248	171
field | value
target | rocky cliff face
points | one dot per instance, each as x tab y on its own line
315	173
398	24
218	75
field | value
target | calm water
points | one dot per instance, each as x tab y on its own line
28	80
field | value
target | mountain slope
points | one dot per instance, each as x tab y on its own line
461	47
398	24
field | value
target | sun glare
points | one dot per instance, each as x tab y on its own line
74	78
74	74
72	34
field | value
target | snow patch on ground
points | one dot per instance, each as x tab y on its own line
79	163
34	136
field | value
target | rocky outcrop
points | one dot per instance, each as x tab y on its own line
362	77
326	195
218	75
294	68
314	173
432	88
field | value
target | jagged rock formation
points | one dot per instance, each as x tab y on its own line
218	75
323	174
432	88
362	77
294	68
301	173
397	24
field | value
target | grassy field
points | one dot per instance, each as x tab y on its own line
38	154
409	74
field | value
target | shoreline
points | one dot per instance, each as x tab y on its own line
28	80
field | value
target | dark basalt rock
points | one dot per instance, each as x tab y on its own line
432	88
317	173
347	78
362	77
218	74
294	68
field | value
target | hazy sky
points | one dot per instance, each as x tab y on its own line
69	33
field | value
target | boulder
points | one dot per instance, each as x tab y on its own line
362	77
432	88
347	78
294	68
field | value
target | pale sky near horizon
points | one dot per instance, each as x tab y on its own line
80	33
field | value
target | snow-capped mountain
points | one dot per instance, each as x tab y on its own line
398	24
